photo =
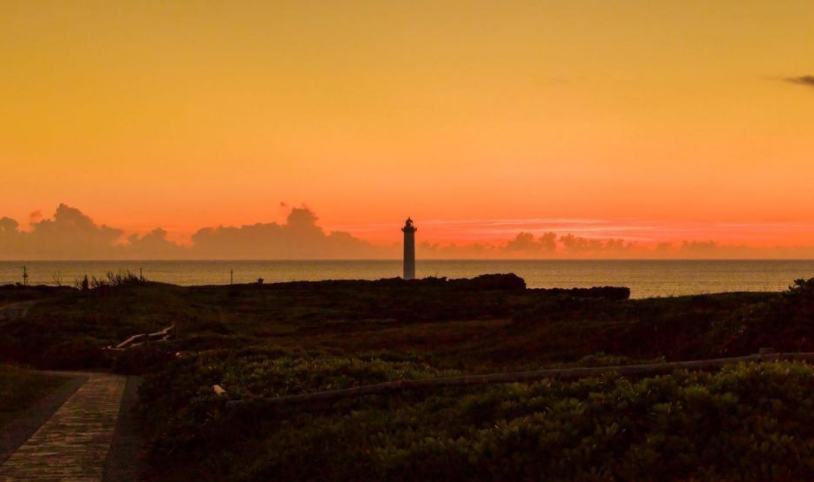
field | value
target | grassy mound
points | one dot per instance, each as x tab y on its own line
20	389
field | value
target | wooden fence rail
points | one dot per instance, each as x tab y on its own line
513	377
136	340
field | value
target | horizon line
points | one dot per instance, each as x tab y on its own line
338	260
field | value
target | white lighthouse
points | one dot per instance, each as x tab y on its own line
409	249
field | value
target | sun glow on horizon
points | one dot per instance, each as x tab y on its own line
648	122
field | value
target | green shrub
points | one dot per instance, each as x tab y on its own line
186	417
78	353
750	422
143	359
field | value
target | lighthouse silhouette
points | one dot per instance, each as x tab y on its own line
409	249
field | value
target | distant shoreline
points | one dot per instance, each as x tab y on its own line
645	278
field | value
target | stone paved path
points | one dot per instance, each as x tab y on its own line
73	444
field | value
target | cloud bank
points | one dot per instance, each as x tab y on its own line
72	235
299	238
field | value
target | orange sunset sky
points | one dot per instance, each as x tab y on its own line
648	121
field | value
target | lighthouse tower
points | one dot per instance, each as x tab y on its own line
409	249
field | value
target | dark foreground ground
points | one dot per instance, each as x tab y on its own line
750	422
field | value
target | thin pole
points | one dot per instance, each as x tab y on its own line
231	276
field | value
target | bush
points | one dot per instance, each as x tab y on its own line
785	323
143	359
612	293
490	282
185	416
79	353
750	422
109	280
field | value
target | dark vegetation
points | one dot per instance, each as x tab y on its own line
743	423
110	280
18	293
20	389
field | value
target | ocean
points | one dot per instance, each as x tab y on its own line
644	278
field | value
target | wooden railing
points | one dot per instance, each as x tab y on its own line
136	340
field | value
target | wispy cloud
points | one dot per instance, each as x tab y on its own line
807	80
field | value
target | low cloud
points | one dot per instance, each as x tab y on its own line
69	235
527	242
587	246
153	245
299	238
72	235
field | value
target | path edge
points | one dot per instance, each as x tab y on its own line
19	430
125	458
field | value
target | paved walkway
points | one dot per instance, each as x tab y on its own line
72	446
16	311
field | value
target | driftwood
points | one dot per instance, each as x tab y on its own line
513	377
142	338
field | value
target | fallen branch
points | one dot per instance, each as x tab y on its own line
513	377
140	339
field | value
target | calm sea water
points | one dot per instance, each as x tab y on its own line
644	278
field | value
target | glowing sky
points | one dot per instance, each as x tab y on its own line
669	119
